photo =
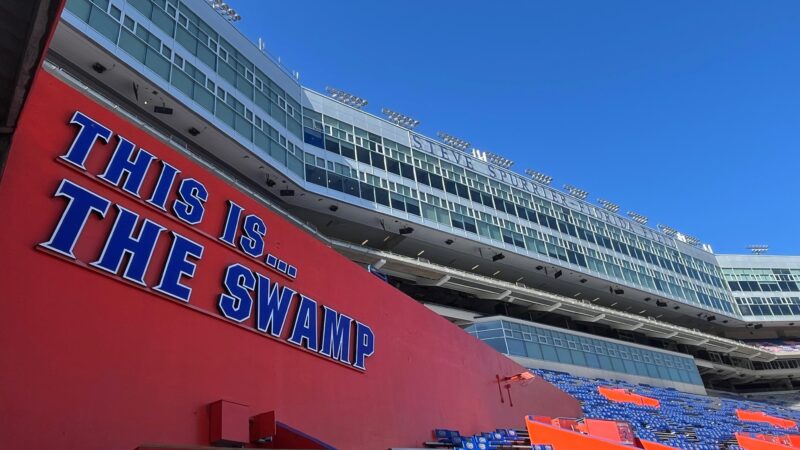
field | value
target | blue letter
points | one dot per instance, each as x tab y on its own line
87	136
189	207
163	186
272	309
231	223
237	303
121	241
178	266
81	204
365	344
336	335
252	241
305	324
121	164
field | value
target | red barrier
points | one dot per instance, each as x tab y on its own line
565	439
650	445
624	396
94	360
765	442
758	416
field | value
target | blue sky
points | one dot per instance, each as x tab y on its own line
687	112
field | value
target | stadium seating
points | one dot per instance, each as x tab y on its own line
680	420
777	345
500	438
685	421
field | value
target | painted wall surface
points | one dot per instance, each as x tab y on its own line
91	360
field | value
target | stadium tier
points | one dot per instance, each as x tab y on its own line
667	416
199	250
373	181
778	345
681	420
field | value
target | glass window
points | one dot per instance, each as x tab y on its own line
104	24
516	347
132	45
533	350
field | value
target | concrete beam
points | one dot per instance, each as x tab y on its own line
596	318
499	296
439	282
550	308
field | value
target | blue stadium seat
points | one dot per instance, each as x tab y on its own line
686	421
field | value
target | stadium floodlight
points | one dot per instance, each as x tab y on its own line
498	160
346	98
758	249
669	231
576	192
400	119
638	218
225	10
539	177
454	141
609	206
691	240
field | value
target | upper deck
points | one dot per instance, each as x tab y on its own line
380	177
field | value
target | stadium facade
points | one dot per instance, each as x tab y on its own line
162	115
359	179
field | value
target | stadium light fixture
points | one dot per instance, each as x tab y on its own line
638	218
498	160
608	206
539	177
400	119
669	231
758	249
691	240
453	141
225	10
576	192
346	98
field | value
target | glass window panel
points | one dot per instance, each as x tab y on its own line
516	347
104	24
132	45
157	63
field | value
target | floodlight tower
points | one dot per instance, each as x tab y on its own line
400	119
539	177
638	218
576	192
608	206
346	98
453	141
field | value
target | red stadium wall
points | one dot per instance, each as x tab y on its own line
91	360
